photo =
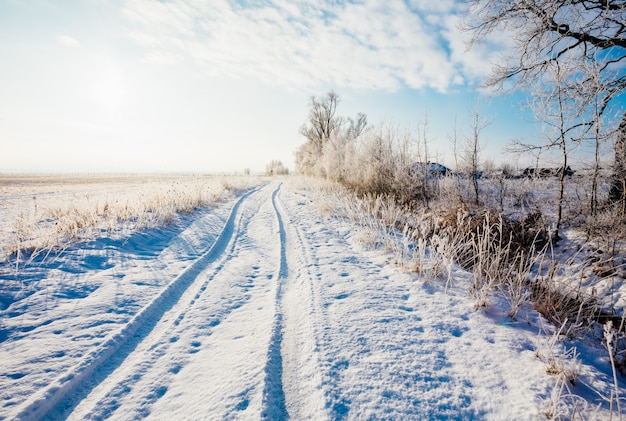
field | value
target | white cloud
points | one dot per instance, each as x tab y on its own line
68	41
161	57
371	44
433	5
474	63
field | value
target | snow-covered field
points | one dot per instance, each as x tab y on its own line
262	307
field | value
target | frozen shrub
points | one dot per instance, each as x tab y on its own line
276	168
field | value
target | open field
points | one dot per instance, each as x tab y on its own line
40	213
268	299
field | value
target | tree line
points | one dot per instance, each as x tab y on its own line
568	55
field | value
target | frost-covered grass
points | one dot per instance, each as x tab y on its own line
363	312
508	254
40	214
509	232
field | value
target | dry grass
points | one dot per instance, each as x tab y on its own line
512	255
45	214
503	241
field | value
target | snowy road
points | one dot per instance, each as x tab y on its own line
220	319
282	315
216	347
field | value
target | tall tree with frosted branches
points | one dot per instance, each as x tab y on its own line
321	125
574	31
327	137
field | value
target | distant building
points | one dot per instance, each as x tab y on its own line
430	169
547	172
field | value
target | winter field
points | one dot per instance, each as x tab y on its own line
179	297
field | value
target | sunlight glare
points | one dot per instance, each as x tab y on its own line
108	85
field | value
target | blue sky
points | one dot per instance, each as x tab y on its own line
219	86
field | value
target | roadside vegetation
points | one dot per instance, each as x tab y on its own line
506	240
547	237
45	214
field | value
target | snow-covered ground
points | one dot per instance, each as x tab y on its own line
262	308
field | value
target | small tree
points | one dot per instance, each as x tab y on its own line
618	182
471	152
557	110
276	168
327	143
563	131
593	90
322	124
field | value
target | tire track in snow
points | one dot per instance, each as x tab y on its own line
274	407
161	341
52	401
222	306
232	364
302	314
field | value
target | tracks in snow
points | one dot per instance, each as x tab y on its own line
231	336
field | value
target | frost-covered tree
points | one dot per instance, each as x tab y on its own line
276	167
321	125
559	114
618	183
549	30
328	140
472	150
572	32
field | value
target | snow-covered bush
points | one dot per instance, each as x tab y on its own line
276	167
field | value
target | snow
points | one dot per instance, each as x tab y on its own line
263	308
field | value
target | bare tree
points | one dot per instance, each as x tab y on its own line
593	90
618	182
556	115
327	143
356	127
453	137
276	167
557	112
322	124
549	31
472	149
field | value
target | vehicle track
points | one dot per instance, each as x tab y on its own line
60	397
236	289
274	407
237	334
304	387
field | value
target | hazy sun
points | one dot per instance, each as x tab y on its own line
108	85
